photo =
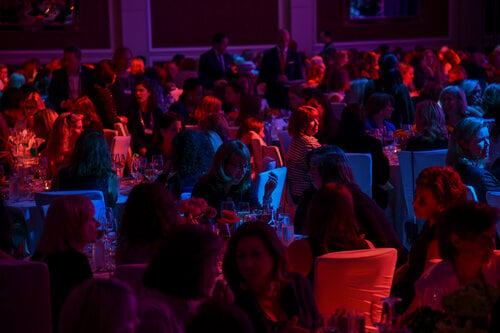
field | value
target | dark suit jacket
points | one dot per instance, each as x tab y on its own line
210	69
59	86
480	179
270	70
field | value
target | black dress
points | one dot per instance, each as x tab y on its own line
480	179
418	143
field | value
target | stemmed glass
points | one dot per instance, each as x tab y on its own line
227	206
157	164
135	168
119	164
383	314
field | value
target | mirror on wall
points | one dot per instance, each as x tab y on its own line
381	9
38	14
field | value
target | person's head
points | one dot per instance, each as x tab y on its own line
255	257
215	122
469	142
473	92
491	101
457	74
251	124
168	126
192	91
380	104
220	42
466	233
314	159
4	73
337	79
295	96
149	214
334	167
104	74
231	165
31	103
431	90
208	105
453	102
85	107
72	58
304	121
144	95
137	66
283	39
233	92
325	36
358	88
407	72
100	306
352	121
331	220
192	153
438	188
387	63
43	121
121	59
91	156
185	265
429	120
220	317
69	224
250	106
65	131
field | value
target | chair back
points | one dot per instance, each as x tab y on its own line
44	199
285	139
278	191
132	274
471	193
259	153
25	302
361	165
121	129
109	135
411	163
121	145
493	199
351	280
331	125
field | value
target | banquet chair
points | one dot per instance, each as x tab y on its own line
493	199
285	140
411	163
121	129
132	274
121	146
260	152
109	135
277	194
352	280
25	304
361	165
43	199
471	193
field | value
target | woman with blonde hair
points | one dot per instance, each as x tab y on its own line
208	105
65	131
69	226
454	104
85	107
430	127
31	103
43	121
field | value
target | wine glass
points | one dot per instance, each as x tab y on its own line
383	314
135	168
119	164
227	206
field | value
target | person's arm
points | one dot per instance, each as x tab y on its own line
300	257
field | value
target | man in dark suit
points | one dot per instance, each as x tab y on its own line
215	64
280	65
71	81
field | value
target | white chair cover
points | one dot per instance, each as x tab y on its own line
25	297
260	151
132	274
43	199
278	192
351	280
109	135
471	193
361	165
411	163
121	129
121	145
285	140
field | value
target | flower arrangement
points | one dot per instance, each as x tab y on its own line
197	211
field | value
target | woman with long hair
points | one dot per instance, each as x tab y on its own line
84	107
454	104
256	269
89	168
430	126
208	105
104	101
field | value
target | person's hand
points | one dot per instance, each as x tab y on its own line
228	216
271	184
123	120
291	327
222	292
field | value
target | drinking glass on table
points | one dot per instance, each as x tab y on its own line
383	314
227	208
119	164
135	168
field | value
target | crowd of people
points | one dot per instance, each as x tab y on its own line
194	281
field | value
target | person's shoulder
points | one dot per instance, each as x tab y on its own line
435	276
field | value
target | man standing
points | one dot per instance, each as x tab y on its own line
123	87
71	81
215	64
280	65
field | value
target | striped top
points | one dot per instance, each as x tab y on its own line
297	170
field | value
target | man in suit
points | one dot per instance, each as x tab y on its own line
216	63
71	81
280	65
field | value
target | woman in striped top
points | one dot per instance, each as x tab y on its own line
303	125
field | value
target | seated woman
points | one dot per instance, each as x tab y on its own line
208	105
143	117
466	240
181	274
100	306
468	153
430	127
84	107
379	108
168	126
331	226
303	125
69	226
43	121
251	128
149	214
89	168
102	97
437	189
454	104
192	154
215	123
229	177
255	267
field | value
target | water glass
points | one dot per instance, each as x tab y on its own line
287	229
136	168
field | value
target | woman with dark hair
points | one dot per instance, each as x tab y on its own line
379	108
468	153
430	127
89	168
256	269
192	154
149	214
103	99
466	240
167	127
143	117
83	106
229	177
454	104
215	123
181	274
250	106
